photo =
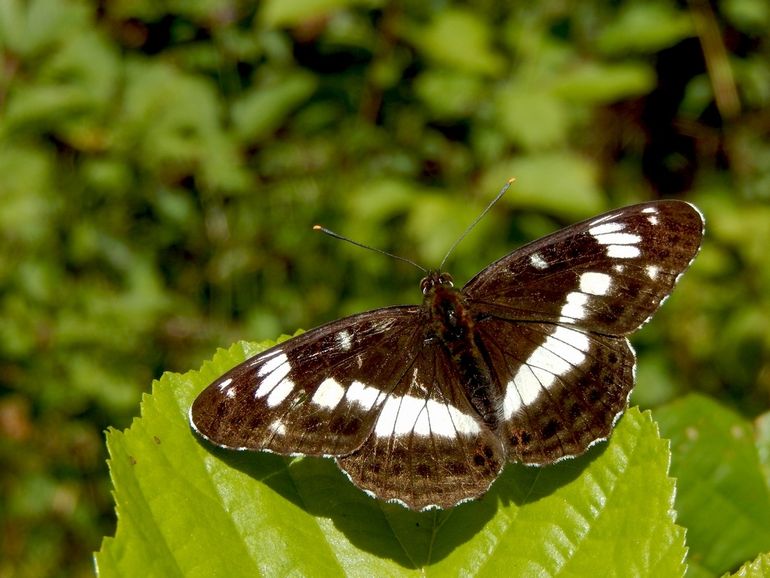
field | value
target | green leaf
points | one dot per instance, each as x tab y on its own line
758	568
762	426
186	509
28	28
531	118
561	183
594	83
69	94
646	27
278	13
722	496
752	16
263	109
376	201
171	122
28	215
461	40
448	93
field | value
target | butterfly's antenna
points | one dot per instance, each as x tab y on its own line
357	244
476	220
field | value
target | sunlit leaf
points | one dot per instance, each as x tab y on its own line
187	509
758	568
722	496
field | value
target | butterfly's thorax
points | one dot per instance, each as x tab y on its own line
452	325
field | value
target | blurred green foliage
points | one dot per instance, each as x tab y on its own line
161	165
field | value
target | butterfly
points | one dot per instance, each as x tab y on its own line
424	404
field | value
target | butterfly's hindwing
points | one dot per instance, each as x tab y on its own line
429	446
562	388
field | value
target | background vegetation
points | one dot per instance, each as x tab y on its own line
162	163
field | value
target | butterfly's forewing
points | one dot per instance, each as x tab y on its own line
316	394
607	275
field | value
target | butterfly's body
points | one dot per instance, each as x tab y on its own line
451	325
528	362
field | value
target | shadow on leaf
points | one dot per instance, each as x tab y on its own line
411	539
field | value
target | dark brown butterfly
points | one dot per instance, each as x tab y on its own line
424	404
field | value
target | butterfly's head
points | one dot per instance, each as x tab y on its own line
433	280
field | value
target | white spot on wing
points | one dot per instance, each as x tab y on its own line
271	364
606	228
618	239
344	340
417	385
409	414
382	325
257	359
362	395
623	251
278	427
649	210
230	392
524	388
563	350
619	245
273	375
280	393
222	386
652	271
602	219
328	394
595	283
572	339
652	219
574	308
537	261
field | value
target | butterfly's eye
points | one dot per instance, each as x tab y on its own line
433	279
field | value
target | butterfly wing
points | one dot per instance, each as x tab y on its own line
316	394
429	447
608	274
552	319
562	388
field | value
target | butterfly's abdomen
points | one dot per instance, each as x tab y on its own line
453	326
